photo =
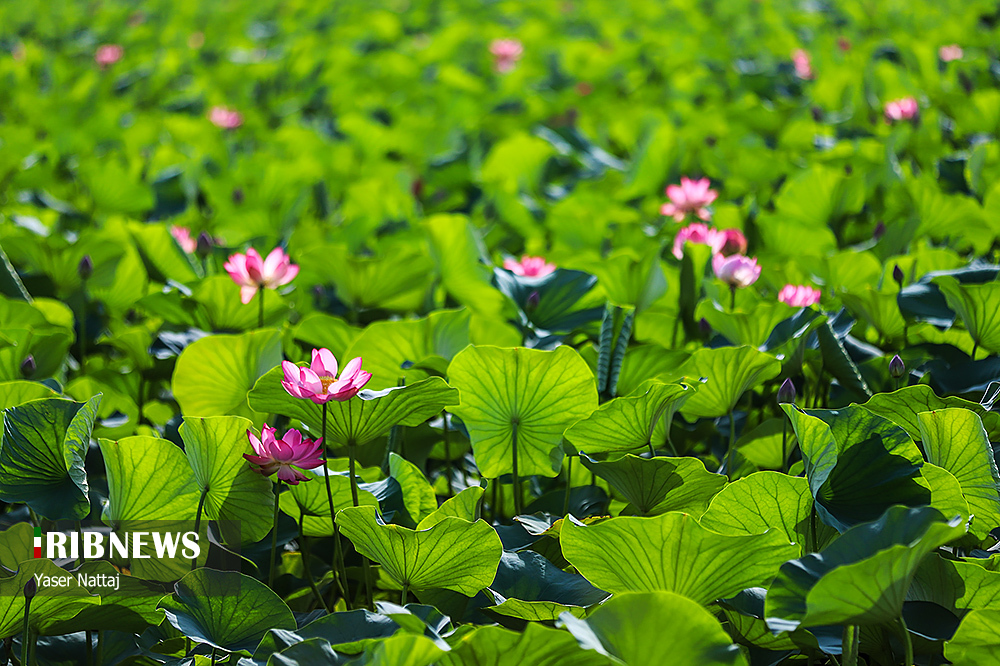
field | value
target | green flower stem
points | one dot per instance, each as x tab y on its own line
517	479
784	443
88	649
27	636
351	462
907	643
852	638
339	567
274	537
732	445
79	530
732	297
304	547
447	453
260	310
569	484
197	521
402	597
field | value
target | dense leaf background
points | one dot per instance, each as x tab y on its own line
589	466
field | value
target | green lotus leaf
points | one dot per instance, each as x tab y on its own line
219	297
419	499
404	649
19	392
839	363
878	309
646	362
627	423
308	652
464	505
311	499
454	554
956	440
356	422
858	463
977	305
730	372
955	584
319	330
42	456
16	545
131	607
555	303
976	641
630	627
213	375
902	407
764	445
225	609
766	501
350	632
537	644
862	577
530	587
535	394
946	492
672	552
457	251
234	492
657	485
745	328
150	487
51	605
387	345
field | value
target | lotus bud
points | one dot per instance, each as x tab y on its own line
896	367
786	394
30	588
85	268
28	367
204	246
532	302
897	275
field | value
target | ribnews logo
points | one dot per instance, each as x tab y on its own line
67	554
102	543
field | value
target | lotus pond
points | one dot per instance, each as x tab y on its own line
500	333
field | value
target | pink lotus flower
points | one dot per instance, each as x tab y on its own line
803	64
225	117
724	241
696	232
950	52
506	53
901	109
108	54
286	456
251	272
183	237
319	382
737	270
799	296
691	196
728	242
529	266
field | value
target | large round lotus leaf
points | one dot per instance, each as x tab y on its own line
225	609
531	394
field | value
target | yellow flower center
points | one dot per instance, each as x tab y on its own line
326	381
